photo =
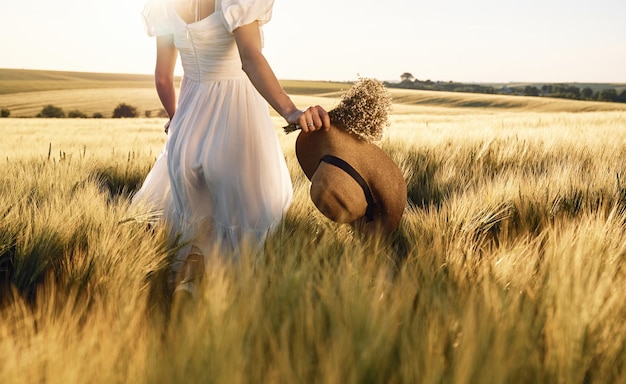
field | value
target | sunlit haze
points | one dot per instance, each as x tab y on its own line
453	40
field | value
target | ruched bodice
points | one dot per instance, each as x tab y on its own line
207	50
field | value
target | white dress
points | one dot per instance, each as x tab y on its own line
222	160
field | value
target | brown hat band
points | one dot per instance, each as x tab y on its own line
347	168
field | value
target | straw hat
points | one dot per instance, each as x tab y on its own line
356	123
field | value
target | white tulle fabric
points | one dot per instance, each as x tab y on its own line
222	160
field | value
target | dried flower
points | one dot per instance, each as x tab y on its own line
362	111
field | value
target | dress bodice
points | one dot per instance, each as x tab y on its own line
207	47
207	50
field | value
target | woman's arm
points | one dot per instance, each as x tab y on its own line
254	64
164	73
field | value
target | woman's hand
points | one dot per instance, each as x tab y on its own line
311	119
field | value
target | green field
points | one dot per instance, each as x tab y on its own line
508	267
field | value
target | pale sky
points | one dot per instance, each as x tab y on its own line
447	40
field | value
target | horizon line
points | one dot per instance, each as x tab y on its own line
620	83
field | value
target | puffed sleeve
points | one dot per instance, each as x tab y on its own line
155	18
237	13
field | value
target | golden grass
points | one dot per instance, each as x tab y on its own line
508	266
26	92
104	100
318	88
93	99
88	101
19	80
460	103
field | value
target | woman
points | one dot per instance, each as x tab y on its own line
228	177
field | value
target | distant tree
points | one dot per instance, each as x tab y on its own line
50	111
565	91
406	76
97	115
586	93
621	98
608	95
76	114
124	110
546	89
531	91
574	91
4	112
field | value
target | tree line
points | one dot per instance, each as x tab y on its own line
122	110
564	91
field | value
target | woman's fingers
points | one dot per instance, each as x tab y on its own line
306	122
325	118
314	118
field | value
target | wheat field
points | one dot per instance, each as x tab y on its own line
508	266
